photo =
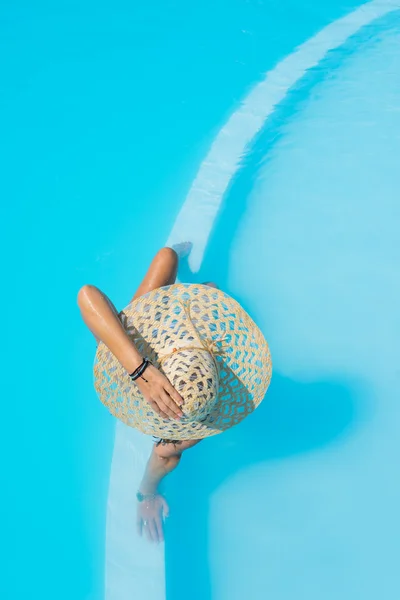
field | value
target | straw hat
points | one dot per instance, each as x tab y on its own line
209	348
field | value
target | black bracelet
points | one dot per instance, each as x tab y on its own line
140	369
137	369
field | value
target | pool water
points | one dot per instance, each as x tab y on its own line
268	134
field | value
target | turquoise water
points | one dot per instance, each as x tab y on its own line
108	112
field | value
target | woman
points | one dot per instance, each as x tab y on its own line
209	367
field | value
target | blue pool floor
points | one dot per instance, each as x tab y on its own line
108	116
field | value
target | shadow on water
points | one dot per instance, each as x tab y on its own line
293	418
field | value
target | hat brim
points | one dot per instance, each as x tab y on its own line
244	360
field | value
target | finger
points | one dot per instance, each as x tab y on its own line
154	406
161	408
158	410
139	526
146	527
153	530
169	406
159	528
170	414
170	411
171	391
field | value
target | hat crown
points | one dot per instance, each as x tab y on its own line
193	373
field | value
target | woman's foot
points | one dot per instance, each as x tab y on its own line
183	249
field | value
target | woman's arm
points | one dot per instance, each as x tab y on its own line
100	315
164	458
156	469
151	510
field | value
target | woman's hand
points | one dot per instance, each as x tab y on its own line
150	512
160	394
150	515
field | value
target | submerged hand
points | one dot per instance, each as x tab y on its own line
160	394
150	514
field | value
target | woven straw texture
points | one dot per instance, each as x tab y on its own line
209	348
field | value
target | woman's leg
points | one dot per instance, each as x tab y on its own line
162	271
102	318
